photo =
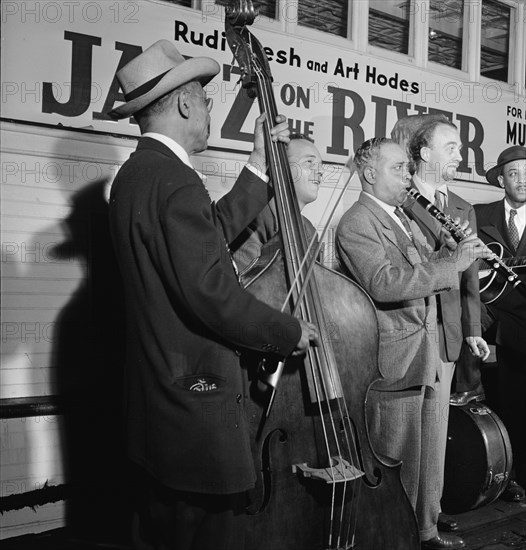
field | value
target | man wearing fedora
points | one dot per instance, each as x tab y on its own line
503	222
187	316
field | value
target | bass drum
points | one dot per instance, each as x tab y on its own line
478	458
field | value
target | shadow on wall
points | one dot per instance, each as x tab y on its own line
89	358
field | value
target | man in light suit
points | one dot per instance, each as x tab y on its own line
434	149
187	316
388	255
509	310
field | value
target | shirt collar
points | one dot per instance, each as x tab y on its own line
387	207
521	211
390	211
428	191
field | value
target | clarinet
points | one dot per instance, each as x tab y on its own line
459	234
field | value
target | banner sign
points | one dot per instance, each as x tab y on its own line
59	60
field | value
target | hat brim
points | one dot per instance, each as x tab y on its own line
514	153
202	69
492	175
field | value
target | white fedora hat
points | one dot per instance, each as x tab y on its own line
157	71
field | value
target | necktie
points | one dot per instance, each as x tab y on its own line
512	229
439	200
400	214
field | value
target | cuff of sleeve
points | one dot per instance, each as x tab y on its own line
455	279
471	329
258	172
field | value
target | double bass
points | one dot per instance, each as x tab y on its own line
320	485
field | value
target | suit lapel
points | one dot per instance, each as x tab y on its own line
521	251
454	208
495	228
427	224
391	230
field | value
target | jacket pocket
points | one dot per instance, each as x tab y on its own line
202	382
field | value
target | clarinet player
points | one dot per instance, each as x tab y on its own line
387	254
435	149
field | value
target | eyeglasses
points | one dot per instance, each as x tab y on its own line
206	100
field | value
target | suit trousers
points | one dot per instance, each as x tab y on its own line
448	370
468	377
406	425
167	519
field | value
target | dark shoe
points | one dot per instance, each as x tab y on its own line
448	542
447	523
513	492
464	397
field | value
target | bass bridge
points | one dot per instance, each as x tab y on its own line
339	471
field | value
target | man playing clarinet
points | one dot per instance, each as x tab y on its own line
435	149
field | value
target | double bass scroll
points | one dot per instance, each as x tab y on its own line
320	485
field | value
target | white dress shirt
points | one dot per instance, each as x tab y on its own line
428	191
391	211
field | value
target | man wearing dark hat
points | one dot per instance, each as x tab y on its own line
503	222
187	316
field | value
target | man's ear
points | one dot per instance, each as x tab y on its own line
425	153
370	175
500	179
183	104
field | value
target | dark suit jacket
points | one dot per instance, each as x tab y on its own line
510	309
186	316
401	280
260	238
459	309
